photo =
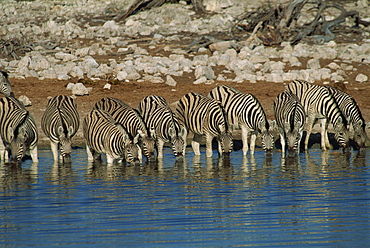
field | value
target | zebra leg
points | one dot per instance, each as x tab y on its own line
140	154
209	139
253	141
282	141
309	124
245	132
90	156
195	144
34	154
324	135
160	144
54	150
327	142
110	159
3	153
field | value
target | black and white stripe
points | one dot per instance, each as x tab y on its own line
290	119
131	120
320	104
353	115
205	116
158	116
105	136
60	123
18	130
245	112
5	87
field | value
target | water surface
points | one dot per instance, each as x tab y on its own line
319	199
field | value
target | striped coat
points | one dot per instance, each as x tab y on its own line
205	116
60	122
18	130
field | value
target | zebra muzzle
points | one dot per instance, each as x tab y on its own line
67	158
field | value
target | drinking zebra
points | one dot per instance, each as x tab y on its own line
245	112
5	87
205	116
290	119
320	104
132	121
353	115
17	130
105	136
158	116
60	123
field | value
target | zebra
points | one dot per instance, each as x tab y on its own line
5	87
320	104
18	130
60	123
132	121
158	116
205	116
245	112
290	119
105	136
353	115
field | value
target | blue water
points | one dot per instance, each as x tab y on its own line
320	199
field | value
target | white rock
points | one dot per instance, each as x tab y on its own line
49	73
82	52
133	76
170	81
200	80
63	77
70	86
107	86
122	75
361	78
204	71
24	62
111	25
25	100
65	56
155	80
79	89
313	64
333	66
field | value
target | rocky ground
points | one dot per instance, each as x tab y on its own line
149	53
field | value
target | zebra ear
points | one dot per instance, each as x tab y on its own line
139	132
22	134
272	124
221	128
171	132
152	132
70	130
136	138
182	130
60	130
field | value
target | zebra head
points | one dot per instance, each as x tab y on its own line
147	144
267	136
360	136
341	133
293	132
225	143
65	143
131	153
5	87
18	144
177	141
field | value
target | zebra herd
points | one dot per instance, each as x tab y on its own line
121	132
